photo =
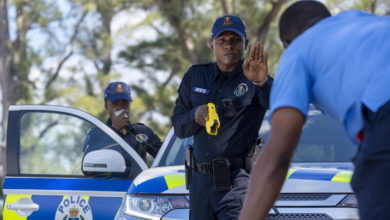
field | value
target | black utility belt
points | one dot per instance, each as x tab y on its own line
220	169
208	167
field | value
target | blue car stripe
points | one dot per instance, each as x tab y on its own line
104	208
66	184
48	204
326	175
156	185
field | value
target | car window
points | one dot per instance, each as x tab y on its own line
323	140
175	154
53	144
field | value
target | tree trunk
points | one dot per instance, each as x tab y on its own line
106	11
373	6
227	6
6	77
263	30
188	43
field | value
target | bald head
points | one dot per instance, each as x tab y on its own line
298	17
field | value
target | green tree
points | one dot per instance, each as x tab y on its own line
182	30
17	56
66	34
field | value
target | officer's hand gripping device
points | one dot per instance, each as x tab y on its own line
189	165
212	123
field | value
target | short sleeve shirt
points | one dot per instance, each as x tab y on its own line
339	64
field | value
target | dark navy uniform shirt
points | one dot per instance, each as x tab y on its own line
205	83
140	137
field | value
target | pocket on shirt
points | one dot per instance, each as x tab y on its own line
198	99
244	101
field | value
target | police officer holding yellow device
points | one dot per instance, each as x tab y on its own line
223	110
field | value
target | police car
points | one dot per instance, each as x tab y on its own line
50	177
317	185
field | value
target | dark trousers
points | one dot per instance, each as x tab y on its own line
206	203
371	179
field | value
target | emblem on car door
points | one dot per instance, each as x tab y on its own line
74	207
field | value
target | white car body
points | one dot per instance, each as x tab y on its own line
312	190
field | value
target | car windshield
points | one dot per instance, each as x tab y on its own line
323	140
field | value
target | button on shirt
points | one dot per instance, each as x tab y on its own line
338	64
205	83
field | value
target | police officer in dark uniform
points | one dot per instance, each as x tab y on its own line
219	183
117	101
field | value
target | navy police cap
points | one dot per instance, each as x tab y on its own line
116	91
228	23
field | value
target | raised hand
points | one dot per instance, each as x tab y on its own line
256	68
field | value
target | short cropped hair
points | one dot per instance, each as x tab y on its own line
300	16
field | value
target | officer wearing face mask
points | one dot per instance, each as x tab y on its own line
117	102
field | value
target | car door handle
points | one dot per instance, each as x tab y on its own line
23	207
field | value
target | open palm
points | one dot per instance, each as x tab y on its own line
256	68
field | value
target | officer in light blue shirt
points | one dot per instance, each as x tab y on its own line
342	65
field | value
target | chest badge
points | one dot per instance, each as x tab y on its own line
241	89
141	138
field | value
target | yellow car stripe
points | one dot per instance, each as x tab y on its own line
343	176
174	180
11	214
290	171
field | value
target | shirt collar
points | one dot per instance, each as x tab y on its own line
129	128
229	75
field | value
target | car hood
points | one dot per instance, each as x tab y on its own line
301	178
170	179
318	177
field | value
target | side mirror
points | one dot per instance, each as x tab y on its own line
103	161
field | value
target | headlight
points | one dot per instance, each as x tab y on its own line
153	207
349	201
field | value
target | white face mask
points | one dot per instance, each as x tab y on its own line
117	113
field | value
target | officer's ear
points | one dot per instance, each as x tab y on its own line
211	44
285	44
105	104
246	43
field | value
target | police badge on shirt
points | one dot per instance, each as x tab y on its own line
241	89
141	138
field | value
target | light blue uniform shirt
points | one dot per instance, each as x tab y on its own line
338	64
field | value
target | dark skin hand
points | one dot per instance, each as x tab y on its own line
201	115
256	68
120	122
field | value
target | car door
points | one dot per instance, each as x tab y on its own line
45	180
